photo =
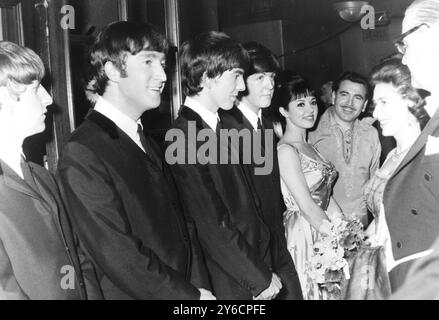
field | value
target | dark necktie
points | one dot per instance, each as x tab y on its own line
218	127
146	144
261	132
260	127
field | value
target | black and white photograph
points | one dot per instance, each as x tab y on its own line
237	151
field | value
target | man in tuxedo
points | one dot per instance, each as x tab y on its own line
233	234
38	258
411	196
118	190
247	115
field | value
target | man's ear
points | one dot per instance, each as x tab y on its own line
6	100
333	97
112	72
205	82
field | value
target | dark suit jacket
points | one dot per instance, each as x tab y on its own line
422	281
128	218
411	202
269	203
37	249
233	235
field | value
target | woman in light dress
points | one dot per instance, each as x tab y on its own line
399	109
306	178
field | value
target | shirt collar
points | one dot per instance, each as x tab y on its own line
251	116
432	105
12	157
208	116
125	123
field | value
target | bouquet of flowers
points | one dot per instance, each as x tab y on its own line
328	266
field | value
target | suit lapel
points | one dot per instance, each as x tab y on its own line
125	142
190	115
420	142
43	188
275	173
13	181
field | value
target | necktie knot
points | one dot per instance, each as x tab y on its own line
218	126
146	144
260	127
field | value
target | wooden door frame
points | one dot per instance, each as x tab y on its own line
52	44
173	34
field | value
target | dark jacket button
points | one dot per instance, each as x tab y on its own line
414	212
399	245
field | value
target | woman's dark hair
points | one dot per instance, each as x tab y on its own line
114	42
290	87
212	53
393	72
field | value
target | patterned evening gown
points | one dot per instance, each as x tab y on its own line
320	176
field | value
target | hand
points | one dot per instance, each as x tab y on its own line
326	228
272	291
206	294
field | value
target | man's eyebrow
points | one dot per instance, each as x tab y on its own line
239	71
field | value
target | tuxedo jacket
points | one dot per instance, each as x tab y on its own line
124	208
269	203
422	280
38	258
411	202
233	234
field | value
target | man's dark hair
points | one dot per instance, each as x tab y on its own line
353	77
261	60
212	53
113	44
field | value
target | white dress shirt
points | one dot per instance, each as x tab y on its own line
251	116
125	123
12	157
211	118
432	105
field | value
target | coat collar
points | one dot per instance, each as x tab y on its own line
115	133
237	116
13	181
190	115
104	123
420	142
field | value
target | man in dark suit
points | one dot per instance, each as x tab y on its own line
411	197
247	115
38	258
120	196
233	234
